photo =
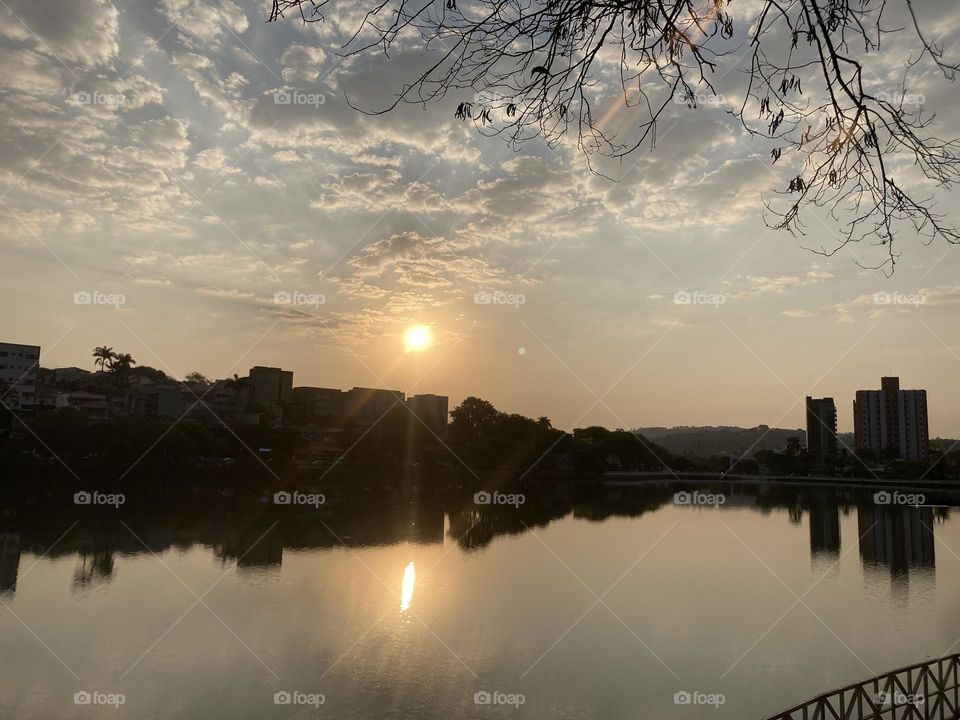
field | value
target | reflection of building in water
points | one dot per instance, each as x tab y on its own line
824	526
9	561
900	537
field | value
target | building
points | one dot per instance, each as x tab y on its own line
19	375
891	422
158	401
432	410
93	405
914	441
318	402
890	389
270	385
70	375
821	429
869	422
366	406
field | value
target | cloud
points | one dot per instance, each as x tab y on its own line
377	192
83	32
302	63
165	141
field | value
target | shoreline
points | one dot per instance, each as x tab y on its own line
632	478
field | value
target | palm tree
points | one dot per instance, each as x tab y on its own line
237	383
104	356
120	366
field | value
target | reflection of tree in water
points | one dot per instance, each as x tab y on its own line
476	526
93	567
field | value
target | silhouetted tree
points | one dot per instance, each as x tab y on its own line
543	68
103	357
120	367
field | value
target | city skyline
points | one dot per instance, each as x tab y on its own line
812	417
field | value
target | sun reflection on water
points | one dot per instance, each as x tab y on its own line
406	594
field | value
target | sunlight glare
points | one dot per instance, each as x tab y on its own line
417	338
406	594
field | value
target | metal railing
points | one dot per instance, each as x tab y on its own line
926	691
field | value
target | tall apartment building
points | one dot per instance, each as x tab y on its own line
891	421
365	406
270	385
20	374
821	429
432	410
914	441
890	388
318	402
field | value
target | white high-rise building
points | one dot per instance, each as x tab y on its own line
892	421
19	374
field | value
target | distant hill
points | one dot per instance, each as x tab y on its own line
723	440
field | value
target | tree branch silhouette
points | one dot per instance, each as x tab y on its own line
543	67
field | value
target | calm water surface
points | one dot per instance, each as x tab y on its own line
603	608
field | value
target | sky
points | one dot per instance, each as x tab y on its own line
173	172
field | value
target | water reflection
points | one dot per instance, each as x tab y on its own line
824	526
258	546
254	535
898	537
406	594
93	567
9	561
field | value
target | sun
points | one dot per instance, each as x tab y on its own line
417	338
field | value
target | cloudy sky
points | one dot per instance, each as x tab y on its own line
148	154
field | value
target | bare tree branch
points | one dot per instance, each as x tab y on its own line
542	67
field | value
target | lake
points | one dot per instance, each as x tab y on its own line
617	603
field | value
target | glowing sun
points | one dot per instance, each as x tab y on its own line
417	338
